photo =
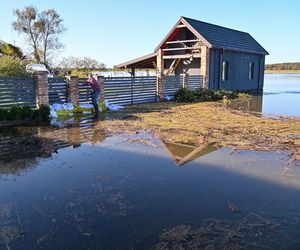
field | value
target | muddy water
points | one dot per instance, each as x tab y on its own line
77	187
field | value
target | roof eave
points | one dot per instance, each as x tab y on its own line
135	61
201	38
242	50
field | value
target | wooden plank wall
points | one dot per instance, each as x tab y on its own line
84	91
195	82
130	90
172	84
118	90
57	90
17	91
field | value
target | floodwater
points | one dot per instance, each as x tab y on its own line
75	186
281	96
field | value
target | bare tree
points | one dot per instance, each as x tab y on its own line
81	63
42	30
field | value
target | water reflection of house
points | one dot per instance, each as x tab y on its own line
250	104
225	58
183	153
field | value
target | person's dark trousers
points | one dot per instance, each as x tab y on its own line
94	96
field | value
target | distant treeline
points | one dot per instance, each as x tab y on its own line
283	66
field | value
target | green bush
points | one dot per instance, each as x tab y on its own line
3	114
15	113
42	113
27	112
202	94
10	66
24	113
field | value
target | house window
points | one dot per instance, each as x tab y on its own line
251	70
225	71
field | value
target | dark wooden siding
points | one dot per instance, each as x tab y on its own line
238	70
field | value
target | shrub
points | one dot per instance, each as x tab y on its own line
15	113
184	95
3	114
12	67
42	113
25	112
202	94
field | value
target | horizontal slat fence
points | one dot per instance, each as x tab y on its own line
130	90
84	91
118	90
57	90
195	82
172	84
17	91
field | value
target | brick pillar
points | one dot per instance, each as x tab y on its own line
73	89
204	70
41	88
185	80
160	85
101	85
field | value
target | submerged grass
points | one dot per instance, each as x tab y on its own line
210	122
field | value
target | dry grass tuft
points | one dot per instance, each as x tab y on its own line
211	123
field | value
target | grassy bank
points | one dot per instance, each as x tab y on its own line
208	122
282	71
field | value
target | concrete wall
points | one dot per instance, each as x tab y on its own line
238	71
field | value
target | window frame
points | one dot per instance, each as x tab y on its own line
251	71
225	66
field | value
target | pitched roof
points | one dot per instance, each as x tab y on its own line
219	37
225	38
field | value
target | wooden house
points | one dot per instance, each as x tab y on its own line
225	58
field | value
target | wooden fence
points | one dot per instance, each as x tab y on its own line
84	91
172	84
130	90
195	82
17	91
57	90
118	90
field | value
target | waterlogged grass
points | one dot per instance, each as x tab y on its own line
208	122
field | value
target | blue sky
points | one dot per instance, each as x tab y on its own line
114	31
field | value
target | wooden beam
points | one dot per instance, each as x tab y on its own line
192	154
173	49
183	56
180	26
183	41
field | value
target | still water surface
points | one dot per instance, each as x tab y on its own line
282	94
78	187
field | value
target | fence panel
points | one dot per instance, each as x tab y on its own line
18	91
57	90
84	92
195	82
130	90
172	84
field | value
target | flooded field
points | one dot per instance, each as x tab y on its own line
76	186
281	96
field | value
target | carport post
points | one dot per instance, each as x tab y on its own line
204	70
185	80
160	85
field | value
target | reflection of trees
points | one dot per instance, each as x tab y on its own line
21	146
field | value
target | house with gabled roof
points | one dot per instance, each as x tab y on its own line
225	58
